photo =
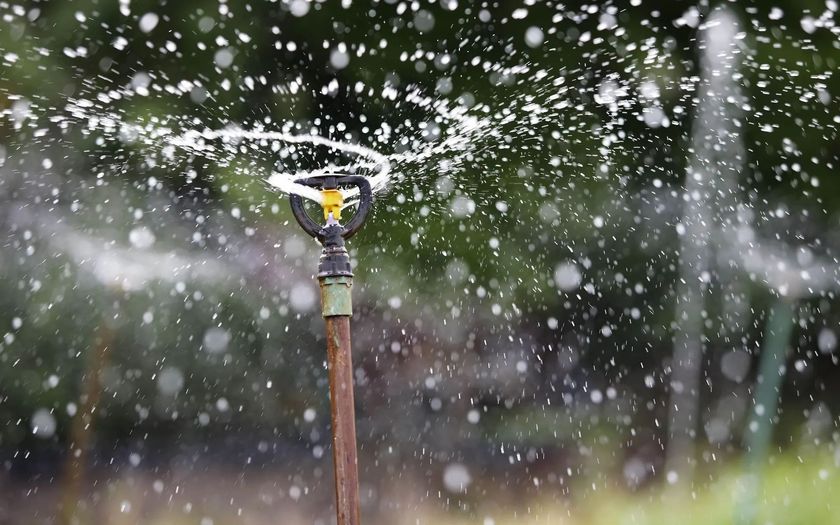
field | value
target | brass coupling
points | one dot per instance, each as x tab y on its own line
336	296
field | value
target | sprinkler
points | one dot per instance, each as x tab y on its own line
336	279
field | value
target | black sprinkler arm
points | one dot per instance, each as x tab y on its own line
325	184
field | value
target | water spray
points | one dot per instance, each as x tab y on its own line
336	280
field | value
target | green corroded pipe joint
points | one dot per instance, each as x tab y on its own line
336	296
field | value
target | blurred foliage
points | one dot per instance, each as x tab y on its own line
448	306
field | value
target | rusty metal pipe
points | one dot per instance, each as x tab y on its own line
336	279
343	420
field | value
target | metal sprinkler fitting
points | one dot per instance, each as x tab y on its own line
336	279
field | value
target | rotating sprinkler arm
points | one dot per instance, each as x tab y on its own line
333	201
336	279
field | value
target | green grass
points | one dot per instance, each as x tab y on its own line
793	491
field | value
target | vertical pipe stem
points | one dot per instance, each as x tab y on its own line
82	427
343	420
768	390
336	280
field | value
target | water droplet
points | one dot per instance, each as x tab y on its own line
141	237
456	478
299	7
170	381
309	415
43	423
827	340
424	21
302	298
148	22
567	276
534	36
339	59
216	340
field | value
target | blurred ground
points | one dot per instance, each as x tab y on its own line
797	489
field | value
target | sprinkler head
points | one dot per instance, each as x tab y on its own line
334	271
332	203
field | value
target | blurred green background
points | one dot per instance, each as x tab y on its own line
517	307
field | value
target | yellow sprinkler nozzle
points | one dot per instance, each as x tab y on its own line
333	200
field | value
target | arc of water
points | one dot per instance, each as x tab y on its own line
286	181
197	141
467	132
